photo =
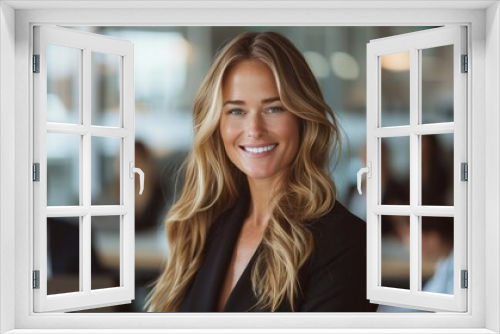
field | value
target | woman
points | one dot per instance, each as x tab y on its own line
257	227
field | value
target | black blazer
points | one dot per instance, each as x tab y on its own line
332	280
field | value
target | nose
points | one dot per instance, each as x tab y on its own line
256	126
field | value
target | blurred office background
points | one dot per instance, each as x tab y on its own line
170	63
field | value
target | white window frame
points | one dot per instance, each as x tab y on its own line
483	21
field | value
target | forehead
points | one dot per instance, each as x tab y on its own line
247	79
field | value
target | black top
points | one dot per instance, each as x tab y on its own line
332	280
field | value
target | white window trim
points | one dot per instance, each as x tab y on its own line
483	123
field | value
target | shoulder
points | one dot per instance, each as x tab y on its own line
339	211
219	225
334	278
230	220
338	224
338	233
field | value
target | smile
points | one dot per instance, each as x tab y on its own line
261	149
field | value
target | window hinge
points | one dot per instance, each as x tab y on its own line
464	172
36	172
465	279
465	64
36	279
36	63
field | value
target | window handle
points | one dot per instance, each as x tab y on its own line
133	170
363	170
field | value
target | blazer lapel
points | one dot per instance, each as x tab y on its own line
203	296
242	298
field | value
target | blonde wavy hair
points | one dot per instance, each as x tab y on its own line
212	182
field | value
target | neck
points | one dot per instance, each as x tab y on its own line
261	193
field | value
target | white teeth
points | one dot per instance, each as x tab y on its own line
259	149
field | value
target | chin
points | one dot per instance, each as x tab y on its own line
260	175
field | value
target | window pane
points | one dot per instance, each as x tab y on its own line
105	89
63	169
437	84
395	170
106	246
395	252
106	182
63	84
395	85
63	255
437	254
437	169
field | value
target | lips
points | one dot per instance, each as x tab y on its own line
259	149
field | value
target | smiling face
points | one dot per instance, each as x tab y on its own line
260	136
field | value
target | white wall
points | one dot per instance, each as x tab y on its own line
492	147
7	160
7	156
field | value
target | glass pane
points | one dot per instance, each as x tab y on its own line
63	84
437	169
105	171
437	254
63	169
105	89
395	170
63	255
106	252
437	84
395	85
395	252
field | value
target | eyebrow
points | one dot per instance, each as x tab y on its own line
240	102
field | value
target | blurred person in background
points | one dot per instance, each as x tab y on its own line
257	226
437	232
150	205
394	192
437	247
149	213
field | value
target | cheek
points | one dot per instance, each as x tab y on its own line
228	132
290	131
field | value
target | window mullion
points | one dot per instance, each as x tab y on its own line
85	249
434	211
96	210
392	210
77	129
85	272
414	169
434	129
394	131
419	129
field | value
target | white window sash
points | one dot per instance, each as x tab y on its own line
415	297
85	298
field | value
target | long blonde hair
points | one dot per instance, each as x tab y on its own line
212	182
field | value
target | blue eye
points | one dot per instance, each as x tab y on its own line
275	109
236	112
